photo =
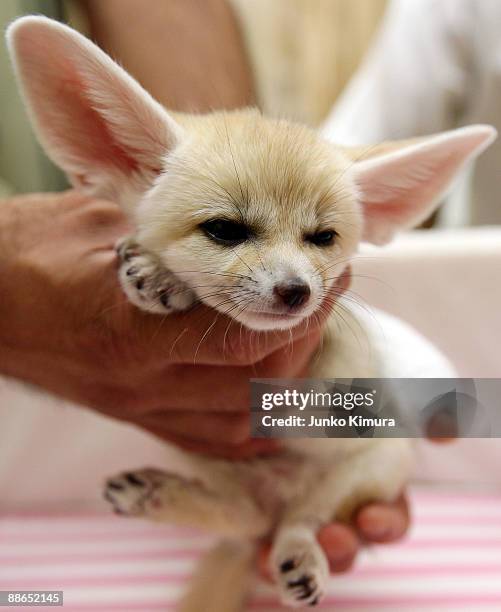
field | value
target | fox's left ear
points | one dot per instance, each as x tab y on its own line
92	118
400	189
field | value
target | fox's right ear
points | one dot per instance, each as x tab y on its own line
400	189
93	119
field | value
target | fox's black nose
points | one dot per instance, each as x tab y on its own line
293	293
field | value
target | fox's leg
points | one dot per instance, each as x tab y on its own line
147	282
169	498
222	580
298	563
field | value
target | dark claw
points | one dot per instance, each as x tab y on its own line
129	254
304	582
115	486
287	566
306	594
314	602
134	480
164	298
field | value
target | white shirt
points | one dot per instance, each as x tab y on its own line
435	65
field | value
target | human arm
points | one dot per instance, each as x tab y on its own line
188	54
66	326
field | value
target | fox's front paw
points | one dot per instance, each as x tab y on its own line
147	282
300	569
131	493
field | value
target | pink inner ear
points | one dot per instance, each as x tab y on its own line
401	206
88	132
92	118
390	211
75	134
401	189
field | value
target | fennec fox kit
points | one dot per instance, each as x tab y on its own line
274	212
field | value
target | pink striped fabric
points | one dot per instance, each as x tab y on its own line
450	561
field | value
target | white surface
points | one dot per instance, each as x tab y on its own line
447	284
444	283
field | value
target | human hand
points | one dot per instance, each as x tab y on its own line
376	522
373	523
66	326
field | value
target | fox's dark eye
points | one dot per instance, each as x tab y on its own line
226	232
322	239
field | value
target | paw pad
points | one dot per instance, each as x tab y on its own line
146	281
303	588
129	492
300	568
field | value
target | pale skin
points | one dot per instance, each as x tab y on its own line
63	304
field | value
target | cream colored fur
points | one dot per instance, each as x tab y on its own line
173	174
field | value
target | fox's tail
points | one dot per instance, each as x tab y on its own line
222	581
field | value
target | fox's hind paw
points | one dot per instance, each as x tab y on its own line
300	568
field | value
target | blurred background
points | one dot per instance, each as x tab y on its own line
364	70
302	53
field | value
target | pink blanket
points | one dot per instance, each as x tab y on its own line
450	561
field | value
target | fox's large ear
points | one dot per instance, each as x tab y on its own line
93	119
400	189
